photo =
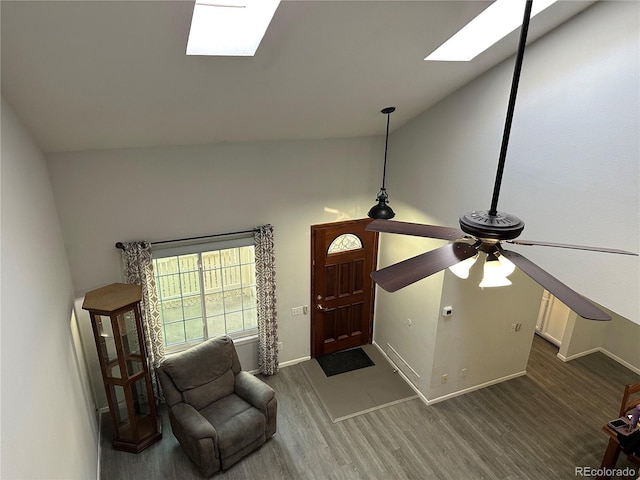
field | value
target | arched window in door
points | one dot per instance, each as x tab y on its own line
344	243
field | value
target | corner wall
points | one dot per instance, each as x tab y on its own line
49	427
618	339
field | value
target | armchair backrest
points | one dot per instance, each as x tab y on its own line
201	375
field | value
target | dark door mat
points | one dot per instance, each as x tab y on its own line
345	361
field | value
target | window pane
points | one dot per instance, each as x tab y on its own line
247	254
248	274
192	307
174	333
165	266
234	322
230	257
249	297
214	303
211	260
212	280
215	326
169	286
344	243
231	277
250	318
194	329
190	283
188	263
232	300
171	310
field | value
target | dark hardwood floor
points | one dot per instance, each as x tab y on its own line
540	426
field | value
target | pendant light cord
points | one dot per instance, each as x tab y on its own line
387	111
386	146
512	102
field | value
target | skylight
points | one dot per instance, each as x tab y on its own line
495	22
229	27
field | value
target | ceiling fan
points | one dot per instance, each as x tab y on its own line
484	231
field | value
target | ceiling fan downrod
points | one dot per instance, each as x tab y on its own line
511	107
491	224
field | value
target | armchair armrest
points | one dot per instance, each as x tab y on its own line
192	423
253	390
197	437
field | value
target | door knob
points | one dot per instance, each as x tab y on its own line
320	307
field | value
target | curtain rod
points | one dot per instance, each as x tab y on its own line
253	230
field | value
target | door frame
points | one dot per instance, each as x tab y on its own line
313	300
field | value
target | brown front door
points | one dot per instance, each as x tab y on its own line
343	255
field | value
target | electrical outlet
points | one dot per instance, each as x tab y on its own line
297	311
445	377
463	372
513	327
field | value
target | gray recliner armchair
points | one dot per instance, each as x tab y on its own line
218	412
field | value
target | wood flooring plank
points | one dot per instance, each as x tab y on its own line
539	426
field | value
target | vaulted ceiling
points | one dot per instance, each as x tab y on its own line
113	74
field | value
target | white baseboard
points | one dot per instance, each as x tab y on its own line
284	364
429	402
549	338
622	362
294	361
403	376
475	387
99	443
578	355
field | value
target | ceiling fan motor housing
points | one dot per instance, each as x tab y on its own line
482	224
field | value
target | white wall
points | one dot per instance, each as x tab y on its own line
577	178
478	337
572	175
49	427
166	193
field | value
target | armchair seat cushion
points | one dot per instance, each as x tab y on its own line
238	424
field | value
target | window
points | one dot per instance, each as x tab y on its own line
344	243
206	290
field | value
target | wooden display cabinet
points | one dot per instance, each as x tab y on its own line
118	332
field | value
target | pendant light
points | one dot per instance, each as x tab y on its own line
382	208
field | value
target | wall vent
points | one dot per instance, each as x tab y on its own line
403	366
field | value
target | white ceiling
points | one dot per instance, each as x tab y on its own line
112	74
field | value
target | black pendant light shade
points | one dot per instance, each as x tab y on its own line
382	210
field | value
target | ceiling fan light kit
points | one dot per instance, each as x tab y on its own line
494	273
483	231
382	210
461	270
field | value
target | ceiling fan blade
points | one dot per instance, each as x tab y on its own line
402	274
416	229
566	295
575	247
